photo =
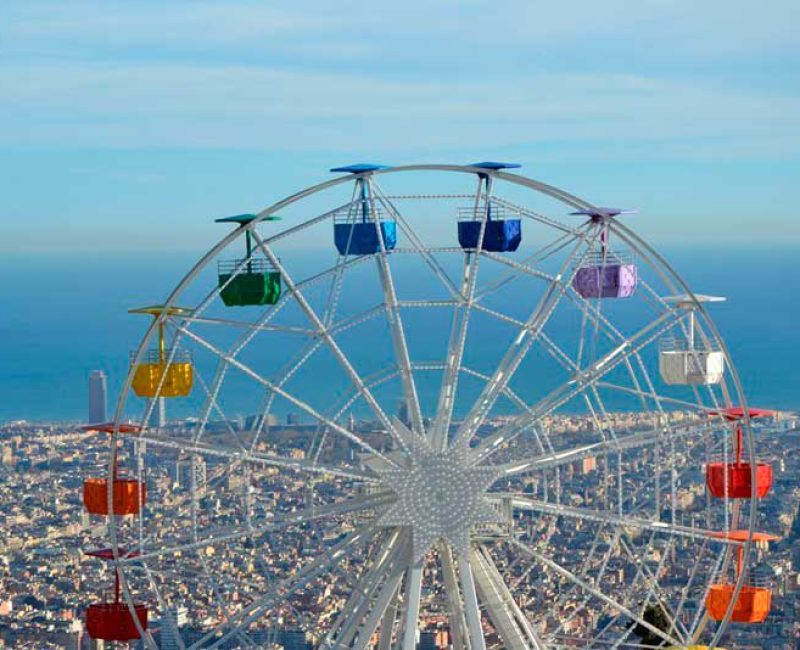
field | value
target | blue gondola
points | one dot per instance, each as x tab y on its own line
500	235
361	237
355	231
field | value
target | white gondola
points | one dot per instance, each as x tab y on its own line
685	360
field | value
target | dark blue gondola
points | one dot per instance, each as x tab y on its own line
500	235
361	237
355	231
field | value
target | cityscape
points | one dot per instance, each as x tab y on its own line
45	575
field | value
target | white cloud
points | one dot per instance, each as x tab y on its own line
416	76
177	105
409	31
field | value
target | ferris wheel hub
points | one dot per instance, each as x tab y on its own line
440	496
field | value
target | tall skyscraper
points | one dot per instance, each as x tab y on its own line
158	416
172	620
97	396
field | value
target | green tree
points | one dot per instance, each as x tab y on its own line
655	616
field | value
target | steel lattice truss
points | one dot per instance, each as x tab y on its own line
485	450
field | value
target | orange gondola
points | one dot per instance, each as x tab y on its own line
752	605
754	602
126	495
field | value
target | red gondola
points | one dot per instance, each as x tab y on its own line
114	621
735	480
108	427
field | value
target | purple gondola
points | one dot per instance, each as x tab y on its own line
606	274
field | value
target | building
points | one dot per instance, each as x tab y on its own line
258	422
181	473
158	415
98	399
171	622
294	640
403	413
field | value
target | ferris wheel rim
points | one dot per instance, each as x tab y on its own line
509	177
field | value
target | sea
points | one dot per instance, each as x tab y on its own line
63	315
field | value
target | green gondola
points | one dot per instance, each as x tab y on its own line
249	281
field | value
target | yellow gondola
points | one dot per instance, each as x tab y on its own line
160	373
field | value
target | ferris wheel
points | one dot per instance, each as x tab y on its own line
434	404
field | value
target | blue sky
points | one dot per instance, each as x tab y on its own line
130	125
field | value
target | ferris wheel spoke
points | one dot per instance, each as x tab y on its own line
508	619
227	534
228	322
356	319
354	612
621	443
323	332
471	610
381	614
538	256
294	366
585	586
658	594
440	430
289	371
507	392
522	343
536	216
520	266
645	595
285	588
455	611
255	458
687	590
213	405
608	517
288	396
412	592
576	385
649	394
550	346
417	244
261	324
616	533
293	230
604	326
395	321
